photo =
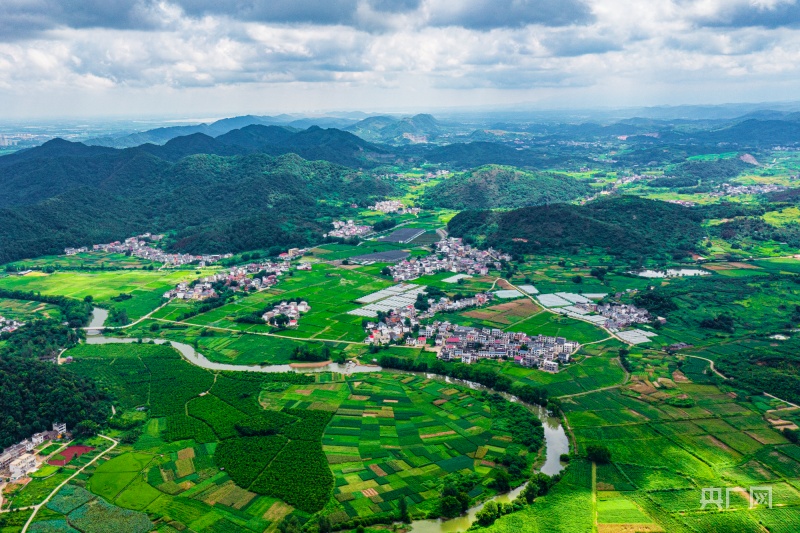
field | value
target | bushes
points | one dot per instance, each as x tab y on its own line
299	475
266	423
245	458
182	427
219	415
310	427
598	453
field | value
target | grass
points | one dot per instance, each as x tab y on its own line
24	310
145	287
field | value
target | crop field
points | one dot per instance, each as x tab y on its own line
394	436
146	287
663	455
24	310
142	374
567	508
330	292
85	260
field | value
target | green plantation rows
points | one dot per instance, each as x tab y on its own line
254	448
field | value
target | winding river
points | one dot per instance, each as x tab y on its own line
556	440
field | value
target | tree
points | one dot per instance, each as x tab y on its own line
403	511
449	507
324	524
488	514
598	453
87	428
502	481
386	271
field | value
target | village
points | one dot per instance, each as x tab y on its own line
737	190
264	275
451	255
8	325
19	460
345	229
394	206
468	345
140	247
286	313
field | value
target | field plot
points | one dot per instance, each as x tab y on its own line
663	455
331	292
85	260
145	287
25	310
142	374
396	436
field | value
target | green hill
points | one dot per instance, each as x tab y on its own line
494	186
212	203
623	226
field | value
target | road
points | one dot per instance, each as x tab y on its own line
145	317
717	372
58	488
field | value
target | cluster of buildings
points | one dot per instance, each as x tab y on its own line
446	305
291	310
237	278
17	461
202	290
8	325
468	344
612	316
393	206
451	255
399	324
139	246
345	229
619	316
736	190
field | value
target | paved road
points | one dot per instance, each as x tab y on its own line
58	488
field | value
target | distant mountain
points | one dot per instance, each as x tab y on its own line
626	226
407	130
756	132
495	186
160	136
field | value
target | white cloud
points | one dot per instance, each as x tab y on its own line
422	51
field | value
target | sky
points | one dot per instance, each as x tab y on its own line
223	57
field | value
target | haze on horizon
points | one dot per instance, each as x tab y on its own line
205	58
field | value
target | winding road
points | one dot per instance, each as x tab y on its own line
59	487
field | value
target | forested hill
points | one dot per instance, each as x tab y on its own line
624	226
215	203
496	186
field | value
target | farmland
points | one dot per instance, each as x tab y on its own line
367	441
145	287
202	450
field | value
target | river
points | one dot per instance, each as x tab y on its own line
99	316
556	440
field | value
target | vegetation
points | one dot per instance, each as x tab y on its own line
624	226
495	186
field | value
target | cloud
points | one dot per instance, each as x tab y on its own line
486	14
748	13
21	19
417	48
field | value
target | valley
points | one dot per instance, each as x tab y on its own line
335	335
